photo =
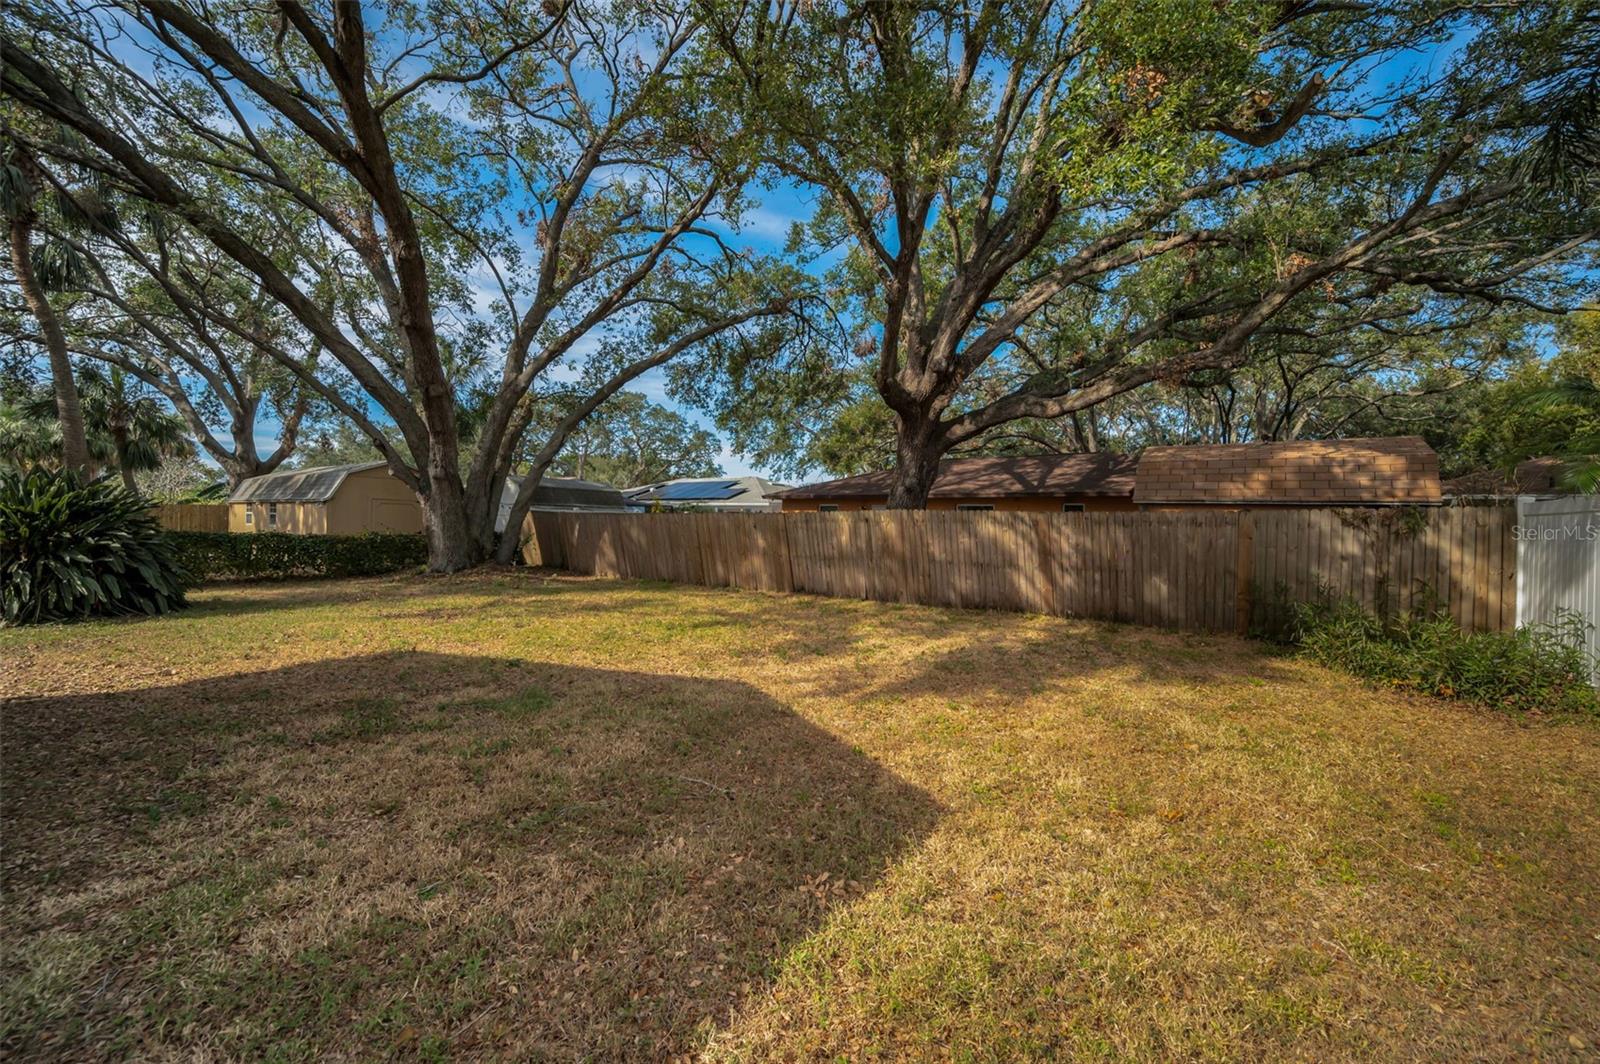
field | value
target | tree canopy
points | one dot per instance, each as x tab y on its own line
631	441
1042	206
463	198
453	234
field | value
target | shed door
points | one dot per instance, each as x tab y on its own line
393	515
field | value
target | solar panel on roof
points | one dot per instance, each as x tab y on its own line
712	489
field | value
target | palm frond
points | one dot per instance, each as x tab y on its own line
59	267
15	192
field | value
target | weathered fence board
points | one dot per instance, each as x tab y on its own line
192	517
1198	569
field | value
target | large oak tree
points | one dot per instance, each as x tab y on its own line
1045	204
490	194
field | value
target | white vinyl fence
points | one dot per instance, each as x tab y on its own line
1558	561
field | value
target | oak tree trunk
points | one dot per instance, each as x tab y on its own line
510	542
453	544
917	453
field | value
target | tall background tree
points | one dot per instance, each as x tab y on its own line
1307	385
127	427
631	441
153	316
140	429
1043	206
37	270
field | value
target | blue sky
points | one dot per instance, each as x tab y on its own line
765	228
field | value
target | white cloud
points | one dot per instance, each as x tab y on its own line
766	223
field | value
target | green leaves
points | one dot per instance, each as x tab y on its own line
70	550
15	191
627	441
1538	668
279	555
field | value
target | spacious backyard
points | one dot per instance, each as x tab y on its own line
527	816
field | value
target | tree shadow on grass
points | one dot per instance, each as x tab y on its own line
250	597
414	854
983	653
476	589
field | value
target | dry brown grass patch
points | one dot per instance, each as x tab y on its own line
517	816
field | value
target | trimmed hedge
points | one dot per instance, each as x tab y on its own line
281	555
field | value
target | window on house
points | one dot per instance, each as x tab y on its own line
974	506
272	515
827	508
249	516
1072	507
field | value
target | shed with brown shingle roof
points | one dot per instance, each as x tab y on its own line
1535	476
1380	471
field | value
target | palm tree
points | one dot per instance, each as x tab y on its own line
30	435
1567	156
1581	450
36	272
25	441
127	425
141	431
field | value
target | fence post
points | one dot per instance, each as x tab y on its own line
1047	558
1243	574
786	571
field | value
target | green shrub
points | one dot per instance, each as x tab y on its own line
70	550
1536	668
279	555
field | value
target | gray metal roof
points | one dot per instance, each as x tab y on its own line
750	493
570	493
298	485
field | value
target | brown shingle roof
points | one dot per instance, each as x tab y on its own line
1390	470
995	478
1535	476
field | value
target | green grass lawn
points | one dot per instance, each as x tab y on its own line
520	816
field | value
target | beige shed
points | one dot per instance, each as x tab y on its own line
333	500
349	499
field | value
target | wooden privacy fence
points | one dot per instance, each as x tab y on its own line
192	516
1189	569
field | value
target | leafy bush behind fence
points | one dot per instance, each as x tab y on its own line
1538	668
280	555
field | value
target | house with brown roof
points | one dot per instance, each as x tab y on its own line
1380	471
1535	476
1053	483
1387	471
